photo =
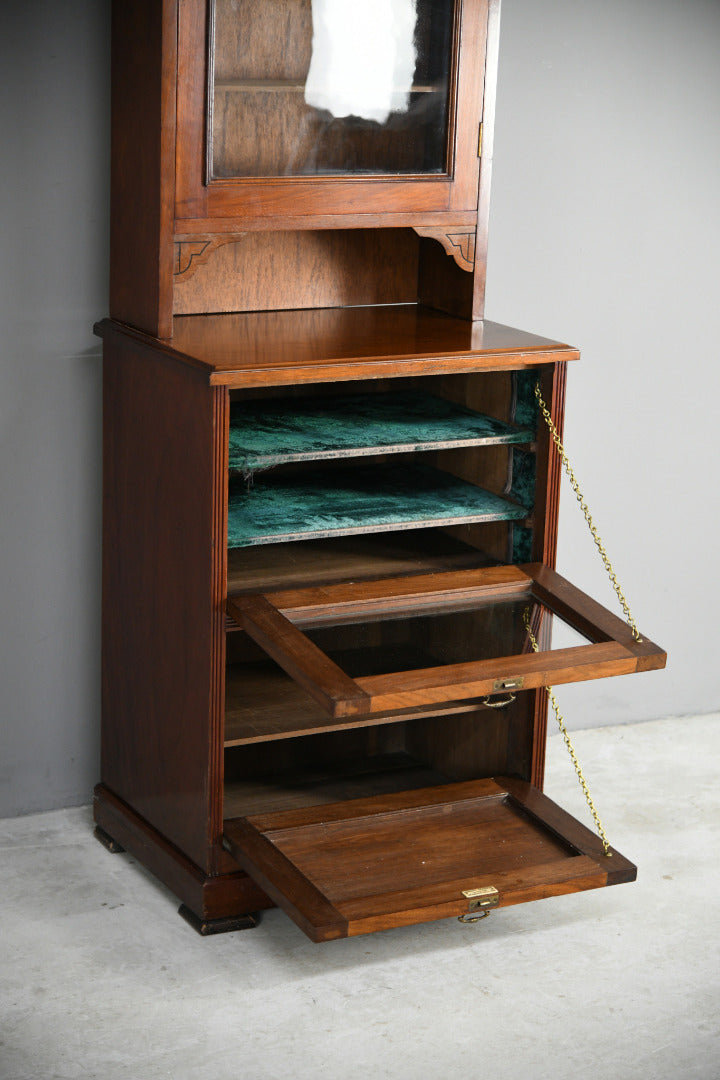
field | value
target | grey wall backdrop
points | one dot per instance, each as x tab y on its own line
605	233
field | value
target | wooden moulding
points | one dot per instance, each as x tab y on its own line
288	348
371	864
459	244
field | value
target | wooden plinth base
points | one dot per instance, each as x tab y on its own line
223	898
107	841
206	927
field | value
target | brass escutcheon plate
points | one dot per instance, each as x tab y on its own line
480	899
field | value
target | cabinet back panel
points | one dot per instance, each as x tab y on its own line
288	270
315	769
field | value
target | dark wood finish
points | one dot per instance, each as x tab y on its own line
263	703
285	566
208	897
590	618
277	876
286	270
363	802
142	185
382	772
421	592
488	140
371	864
456	220
332	688
107	841
246	201
553	381
161	189
210	927
612	651
290	348
435	685
163	621
442	284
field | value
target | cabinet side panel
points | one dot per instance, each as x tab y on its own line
486	160
144	60
162	625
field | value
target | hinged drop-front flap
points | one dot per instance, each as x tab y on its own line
413	856
373	647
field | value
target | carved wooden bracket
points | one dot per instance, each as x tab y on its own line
189	254
461	245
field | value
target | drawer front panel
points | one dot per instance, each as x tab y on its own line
372	647
371	864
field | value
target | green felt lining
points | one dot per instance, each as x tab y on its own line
523	464
332	502
268	433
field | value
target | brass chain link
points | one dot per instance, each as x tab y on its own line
571	750
618	591
586	513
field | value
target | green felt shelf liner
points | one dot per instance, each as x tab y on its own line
333	502
523	465
267	433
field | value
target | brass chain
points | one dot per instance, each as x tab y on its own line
618	591
571	750
586	513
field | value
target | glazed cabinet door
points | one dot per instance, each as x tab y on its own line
311	109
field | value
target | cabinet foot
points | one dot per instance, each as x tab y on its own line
107	841
226	925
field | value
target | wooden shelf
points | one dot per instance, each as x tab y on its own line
268	433
281	348
262	704
348	558
333	502
380	774
271	86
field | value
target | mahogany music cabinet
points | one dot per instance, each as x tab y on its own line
330	497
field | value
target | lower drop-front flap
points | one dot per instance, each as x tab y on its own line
413	856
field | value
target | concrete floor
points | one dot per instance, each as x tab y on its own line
101	979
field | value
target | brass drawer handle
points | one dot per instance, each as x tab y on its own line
499	703
473	916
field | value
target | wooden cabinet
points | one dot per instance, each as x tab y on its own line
330	507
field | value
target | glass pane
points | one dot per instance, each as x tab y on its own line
328	87
408	642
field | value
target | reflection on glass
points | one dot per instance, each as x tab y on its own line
363	58
330	87
407	642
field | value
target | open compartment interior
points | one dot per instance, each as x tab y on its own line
428	458
438	747
369	645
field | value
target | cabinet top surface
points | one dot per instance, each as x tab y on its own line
330	344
